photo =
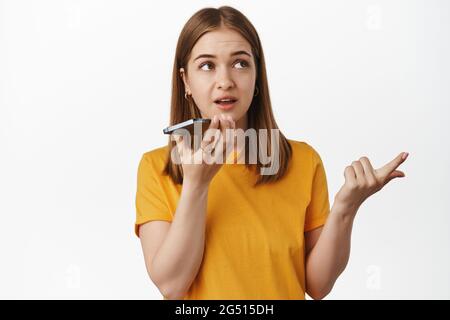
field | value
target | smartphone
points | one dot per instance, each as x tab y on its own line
189	125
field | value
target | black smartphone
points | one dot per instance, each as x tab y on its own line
189	125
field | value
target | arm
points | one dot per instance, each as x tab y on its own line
328	250
177	261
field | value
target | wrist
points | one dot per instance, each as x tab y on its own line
345	210
195	185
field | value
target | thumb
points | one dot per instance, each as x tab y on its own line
395	174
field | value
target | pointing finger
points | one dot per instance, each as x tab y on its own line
388	168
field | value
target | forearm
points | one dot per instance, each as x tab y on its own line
178	259
329	257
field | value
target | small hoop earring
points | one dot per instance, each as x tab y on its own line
185	95
257	91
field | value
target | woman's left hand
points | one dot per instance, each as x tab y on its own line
362	181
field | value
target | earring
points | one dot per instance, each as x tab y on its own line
256	91
185	95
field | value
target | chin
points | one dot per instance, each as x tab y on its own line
234	113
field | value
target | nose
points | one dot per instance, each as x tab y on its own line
224	80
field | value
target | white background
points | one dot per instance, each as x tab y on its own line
85	88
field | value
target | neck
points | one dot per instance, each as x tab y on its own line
242	123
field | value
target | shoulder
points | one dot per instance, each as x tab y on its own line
303	149
155	158
306	156
159	153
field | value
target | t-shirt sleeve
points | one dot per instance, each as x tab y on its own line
150	198
319	206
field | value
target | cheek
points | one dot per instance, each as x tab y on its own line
201	93
199	86
246	87
201	89
245	78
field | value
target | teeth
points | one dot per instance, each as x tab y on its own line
226	100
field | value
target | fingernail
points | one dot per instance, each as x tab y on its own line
405	155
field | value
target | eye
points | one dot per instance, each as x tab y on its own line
206	66
243	64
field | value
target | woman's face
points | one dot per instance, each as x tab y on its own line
221	75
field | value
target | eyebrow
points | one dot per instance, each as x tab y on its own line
236	53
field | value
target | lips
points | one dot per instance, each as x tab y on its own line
225	100
225	105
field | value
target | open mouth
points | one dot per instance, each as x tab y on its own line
225	102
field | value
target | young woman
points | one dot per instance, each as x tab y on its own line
226	231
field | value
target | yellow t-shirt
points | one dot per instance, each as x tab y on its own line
254	244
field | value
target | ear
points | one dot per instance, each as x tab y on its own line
185	81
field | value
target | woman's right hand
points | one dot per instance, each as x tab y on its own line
212	152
